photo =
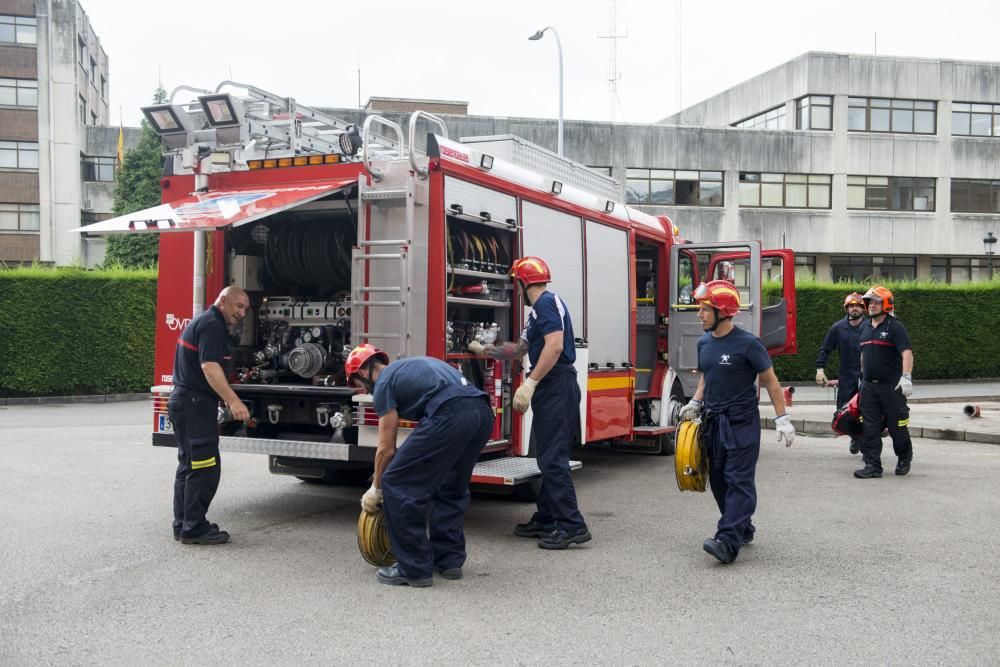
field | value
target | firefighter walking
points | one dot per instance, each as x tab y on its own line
199	384
551	391
844	336
730	360
886	367
427	479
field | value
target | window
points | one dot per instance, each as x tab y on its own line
19	92
104	88
875	114
93	118
772	119
805	266
814	112
890	193
974	196
19	217
784	190
82	103
862	268
18	155
959	269
93	71
975	120
18	29
81	50
671	187
97	168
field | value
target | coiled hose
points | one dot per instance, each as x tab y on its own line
373	539
690	462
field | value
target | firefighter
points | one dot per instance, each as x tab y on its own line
551	391
887	381
844	336
199	385
730	360
431	472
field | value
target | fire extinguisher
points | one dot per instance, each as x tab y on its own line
492	386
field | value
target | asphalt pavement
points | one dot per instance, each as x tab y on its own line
898	570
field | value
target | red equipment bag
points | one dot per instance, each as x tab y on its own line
847	420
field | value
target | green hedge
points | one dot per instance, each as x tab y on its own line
951	327
69	331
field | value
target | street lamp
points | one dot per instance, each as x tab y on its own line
536	37
988	242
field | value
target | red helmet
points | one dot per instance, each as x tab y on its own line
721	295
854	298
531	271
880	294
359	355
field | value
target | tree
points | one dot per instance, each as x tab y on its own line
137	186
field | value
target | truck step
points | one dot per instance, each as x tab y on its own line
510	470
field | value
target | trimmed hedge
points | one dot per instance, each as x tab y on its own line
950	326
70	331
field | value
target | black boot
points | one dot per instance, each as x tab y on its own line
903	466
868	472
720	549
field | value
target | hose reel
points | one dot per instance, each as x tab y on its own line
690	461
373	539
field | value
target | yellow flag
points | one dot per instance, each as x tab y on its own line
121	145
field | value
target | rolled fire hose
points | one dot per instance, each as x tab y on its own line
690	462
373	539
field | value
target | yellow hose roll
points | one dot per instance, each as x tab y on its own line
373	539
690	462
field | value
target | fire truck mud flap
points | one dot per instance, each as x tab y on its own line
510	470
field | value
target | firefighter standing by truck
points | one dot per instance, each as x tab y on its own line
844	336
730	360
887	381
433	469
552	392
199	384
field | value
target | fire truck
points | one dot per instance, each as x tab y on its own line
343	235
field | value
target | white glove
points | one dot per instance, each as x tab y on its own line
371	500
476	348
691	411
786	432
522	397
821	377
905	385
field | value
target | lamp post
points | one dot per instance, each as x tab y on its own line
988	242
536	37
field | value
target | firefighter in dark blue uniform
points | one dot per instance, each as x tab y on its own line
844	337
199	384
432	467
552	393
730	360
887	381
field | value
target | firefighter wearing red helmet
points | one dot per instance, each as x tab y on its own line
887	381
552	392
731	360
432	472
844	336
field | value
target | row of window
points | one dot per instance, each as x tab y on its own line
862	268
19	217
97	168
18	155
19	92
19	30
670	187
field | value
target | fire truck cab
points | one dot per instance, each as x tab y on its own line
342	235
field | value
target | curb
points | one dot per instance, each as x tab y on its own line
989	398
61	400
816	427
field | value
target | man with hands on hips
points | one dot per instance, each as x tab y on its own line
731	360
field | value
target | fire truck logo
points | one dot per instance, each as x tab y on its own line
175	323
725	360
884	334
227	205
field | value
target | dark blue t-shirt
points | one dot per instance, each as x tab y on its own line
407	385
731	365
548	315
882	349
204	339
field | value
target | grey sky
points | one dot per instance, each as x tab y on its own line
479	51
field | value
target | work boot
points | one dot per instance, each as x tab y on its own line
903	466
720	549
855	445
532	529
868	472
391	575
450	572
748	535
560	539
177	532
213	536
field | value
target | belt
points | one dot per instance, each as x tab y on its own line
879	381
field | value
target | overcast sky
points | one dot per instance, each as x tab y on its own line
478	51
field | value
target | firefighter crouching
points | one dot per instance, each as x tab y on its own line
199	384
730	360
844	337
432	469
552	392
887	381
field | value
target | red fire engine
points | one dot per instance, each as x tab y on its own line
341	236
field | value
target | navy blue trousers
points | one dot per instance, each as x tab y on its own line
556	413
882	400
431	471
847	386
733	449
199	466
